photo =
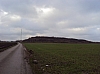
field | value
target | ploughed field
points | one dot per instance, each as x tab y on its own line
5	45
62	58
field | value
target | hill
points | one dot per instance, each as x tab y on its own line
44	39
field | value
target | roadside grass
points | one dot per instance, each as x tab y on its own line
62	58
5	46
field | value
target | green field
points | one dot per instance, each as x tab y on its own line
64	58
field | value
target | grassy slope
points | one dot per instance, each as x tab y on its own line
66	58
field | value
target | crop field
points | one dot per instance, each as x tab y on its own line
62	58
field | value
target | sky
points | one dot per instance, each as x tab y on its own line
78	19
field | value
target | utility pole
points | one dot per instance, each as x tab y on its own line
21	35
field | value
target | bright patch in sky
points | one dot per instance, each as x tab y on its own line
46	10
15	17
5	13
98	28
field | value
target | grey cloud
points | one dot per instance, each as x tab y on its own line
90	5
19	7
31	27
68	18
24	23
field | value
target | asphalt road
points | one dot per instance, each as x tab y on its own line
12	61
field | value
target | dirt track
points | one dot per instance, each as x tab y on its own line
12	61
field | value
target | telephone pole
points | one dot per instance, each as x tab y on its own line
21	35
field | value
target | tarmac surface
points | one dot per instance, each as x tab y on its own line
12	61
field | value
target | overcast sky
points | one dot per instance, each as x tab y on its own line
60	18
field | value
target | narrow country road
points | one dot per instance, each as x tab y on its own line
12	61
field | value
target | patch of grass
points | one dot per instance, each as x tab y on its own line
64	58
